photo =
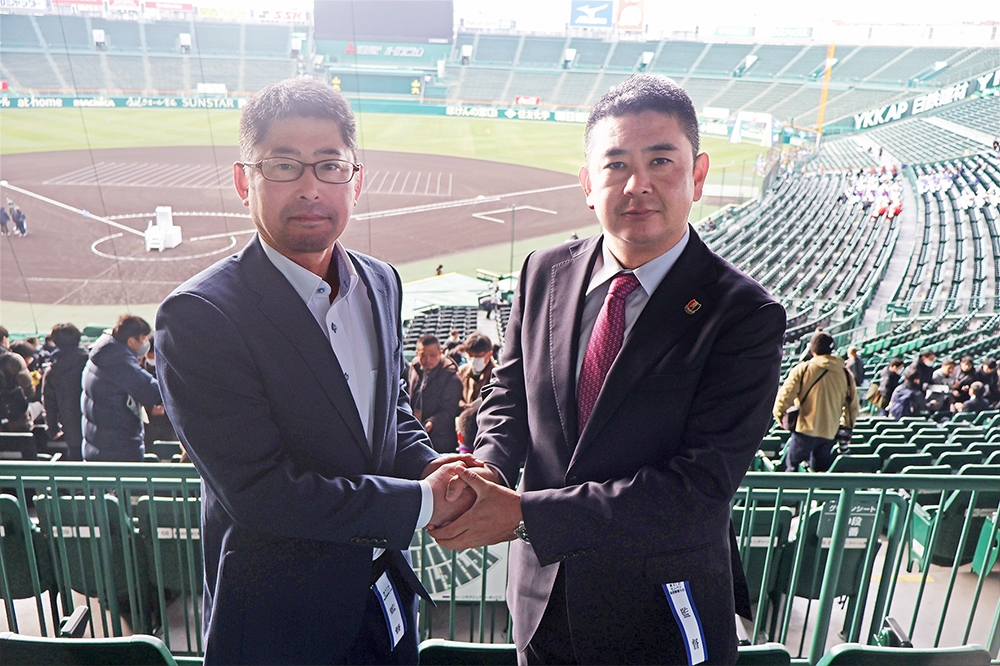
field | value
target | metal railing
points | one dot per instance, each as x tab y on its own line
124	539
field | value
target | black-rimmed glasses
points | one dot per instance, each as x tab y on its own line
287	169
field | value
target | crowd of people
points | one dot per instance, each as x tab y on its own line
879	190
926	388
101	404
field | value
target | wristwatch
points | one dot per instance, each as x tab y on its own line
521	533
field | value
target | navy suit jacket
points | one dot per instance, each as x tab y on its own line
642	496
293	498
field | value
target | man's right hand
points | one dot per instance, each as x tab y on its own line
461	495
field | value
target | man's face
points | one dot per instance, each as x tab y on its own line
966	366
429	356
947	368
641	179
304	216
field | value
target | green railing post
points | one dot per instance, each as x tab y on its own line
831	575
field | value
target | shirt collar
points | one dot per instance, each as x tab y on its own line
650	274
306	283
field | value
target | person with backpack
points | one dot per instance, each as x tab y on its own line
16	388
827	395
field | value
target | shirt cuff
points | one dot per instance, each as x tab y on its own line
426	505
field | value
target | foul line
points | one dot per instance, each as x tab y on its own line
457	203
485	215
78	211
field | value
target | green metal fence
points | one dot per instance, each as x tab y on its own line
124	539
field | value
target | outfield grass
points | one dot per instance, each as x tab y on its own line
546	145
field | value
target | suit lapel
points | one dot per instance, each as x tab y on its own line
280	304
663	321
378	295
567	289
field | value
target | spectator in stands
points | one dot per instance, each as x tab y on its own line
978	400
963	379
435	393
116	393
855	365
455	351
26	351
826	395
479	369
987	374
891	375
938	393
4	219
925	365
61	389
14	375
467	427
908	398
281	370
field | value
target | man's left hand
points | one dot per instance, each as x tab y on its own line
465	458
491	520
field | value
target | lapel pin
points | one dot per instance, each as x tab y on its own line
692	306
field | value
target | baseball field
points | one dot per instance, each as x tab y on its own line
462	193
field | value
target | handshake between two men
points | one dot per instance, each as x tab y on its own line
471	508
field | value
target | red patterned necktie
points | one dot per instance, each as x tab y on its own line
605	341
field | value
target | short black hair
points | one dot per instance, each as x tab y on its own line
990	363
821	343
301	97
477	343
23	349
65	335
896	361
912	375
927	353
3	333
130	326
977	388
645	92
428	339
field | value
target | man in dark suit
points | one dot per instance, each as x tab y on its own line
281	371
624	551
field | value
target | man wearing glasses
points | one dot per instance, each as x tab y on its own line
280	369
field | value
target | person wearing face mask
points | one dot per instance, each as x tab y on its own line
478	371
925	367
117	393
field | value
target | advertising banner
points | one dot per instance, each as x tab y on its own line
631	15
22	4
169	6
590	14
927	101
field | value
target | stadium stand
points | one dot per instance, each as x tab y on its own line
542	51
771	60
164	36
493	49
677	57
590	52
64	32
119	35
721	58
17	30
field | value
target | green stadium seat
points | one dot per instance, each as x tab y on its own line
883	451
766	654
441	652
936	449
754	541
950	519
897	461
128	651
985	415
855	654
856	464
17	580
957	460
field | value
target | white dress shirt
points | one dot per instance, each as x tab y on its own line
350	327
650	275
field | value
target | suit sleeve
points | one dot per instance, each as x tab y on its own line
413	447
503	435
221	409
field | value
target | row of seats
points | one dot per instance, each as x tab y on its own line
882	64
65	33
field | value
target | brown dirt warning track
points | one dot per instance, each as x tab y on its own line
412	207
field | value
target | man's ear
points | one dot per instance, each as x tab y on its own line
700	174
241	182
587	185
